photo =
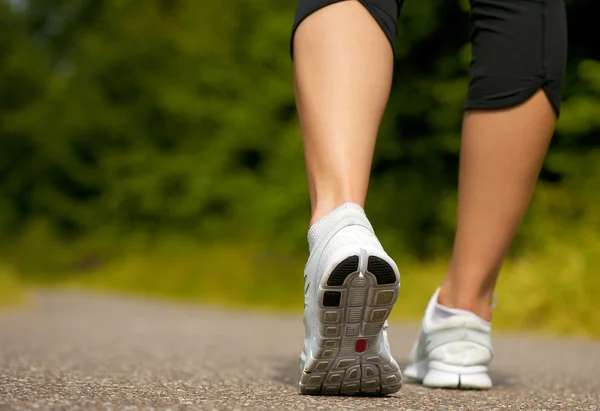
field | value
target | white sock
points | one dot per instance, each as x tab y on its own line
326	223
441	313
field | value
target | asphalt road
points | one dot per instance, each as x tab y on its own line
88	351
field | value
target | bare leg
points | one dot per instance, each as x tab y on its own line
343	71
501	157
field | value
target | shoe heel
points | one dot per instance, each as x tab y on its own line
348	353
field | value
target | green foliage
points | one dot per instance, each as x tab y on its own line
11	292
552	291
232	274
131	126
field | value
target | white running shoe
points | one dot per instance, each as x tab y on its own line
351	285
451	353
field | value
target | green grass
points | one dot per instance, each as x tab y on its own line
554	291
550	283
220	274
11	291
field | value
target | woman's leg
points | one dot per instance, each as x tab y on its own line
501	156
343	66
518	47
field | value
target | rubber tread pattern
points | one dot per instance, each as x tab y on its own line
342	271
332	299
333	366
382	271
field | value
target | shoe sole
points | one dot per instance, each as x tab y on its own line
440	375
349	357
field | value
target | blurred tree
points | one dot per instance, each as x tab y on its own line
163	116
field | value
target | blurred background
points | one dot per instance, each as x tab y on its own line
152	147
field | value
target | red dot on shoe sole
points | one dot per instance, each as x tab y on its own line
361	346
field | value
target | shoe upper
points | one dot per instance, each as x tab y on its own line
458	340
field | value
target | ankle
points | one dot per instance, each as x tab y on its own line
324	208
324	224
479	302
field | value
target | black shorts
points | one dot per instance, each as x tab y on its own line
519	47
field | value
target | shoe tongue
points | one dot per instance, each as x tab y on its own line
434	300
438	313
431	307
